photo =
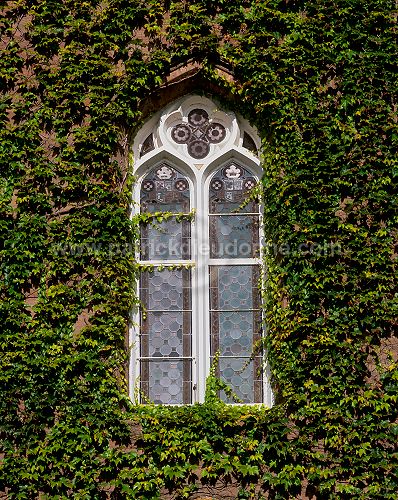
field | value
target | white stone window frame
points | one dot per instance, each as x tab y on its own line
198	174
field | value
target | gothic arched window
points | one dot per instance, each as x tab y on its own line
199	293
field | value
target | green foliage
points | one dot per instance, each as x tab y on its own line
318	79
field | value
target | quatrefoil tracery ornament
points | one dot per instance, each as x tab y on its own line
198	134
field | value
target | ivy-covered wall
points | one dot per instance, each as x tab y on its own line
318	78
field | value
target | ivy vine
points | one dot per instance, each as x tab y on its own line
318	79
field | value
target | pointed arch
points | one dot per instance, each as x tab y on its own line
193	137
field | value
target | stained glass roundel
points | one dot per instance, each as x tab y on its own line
181	134
198	117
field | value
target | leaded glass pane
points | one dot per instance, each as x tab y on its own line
169	240
229	189
234	236
243	376
166	341
163	186
198	133
235	332
234	287
166	290
235	327
164	189
248	143
167	382
147	146
165	337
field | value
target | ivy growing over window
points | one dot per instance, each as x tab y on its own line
318	79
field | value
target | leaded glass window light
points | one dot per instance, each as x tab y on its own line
164	189
165	320
235	310
201	296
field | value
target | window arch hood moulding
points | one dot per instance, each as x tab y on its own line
187	78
